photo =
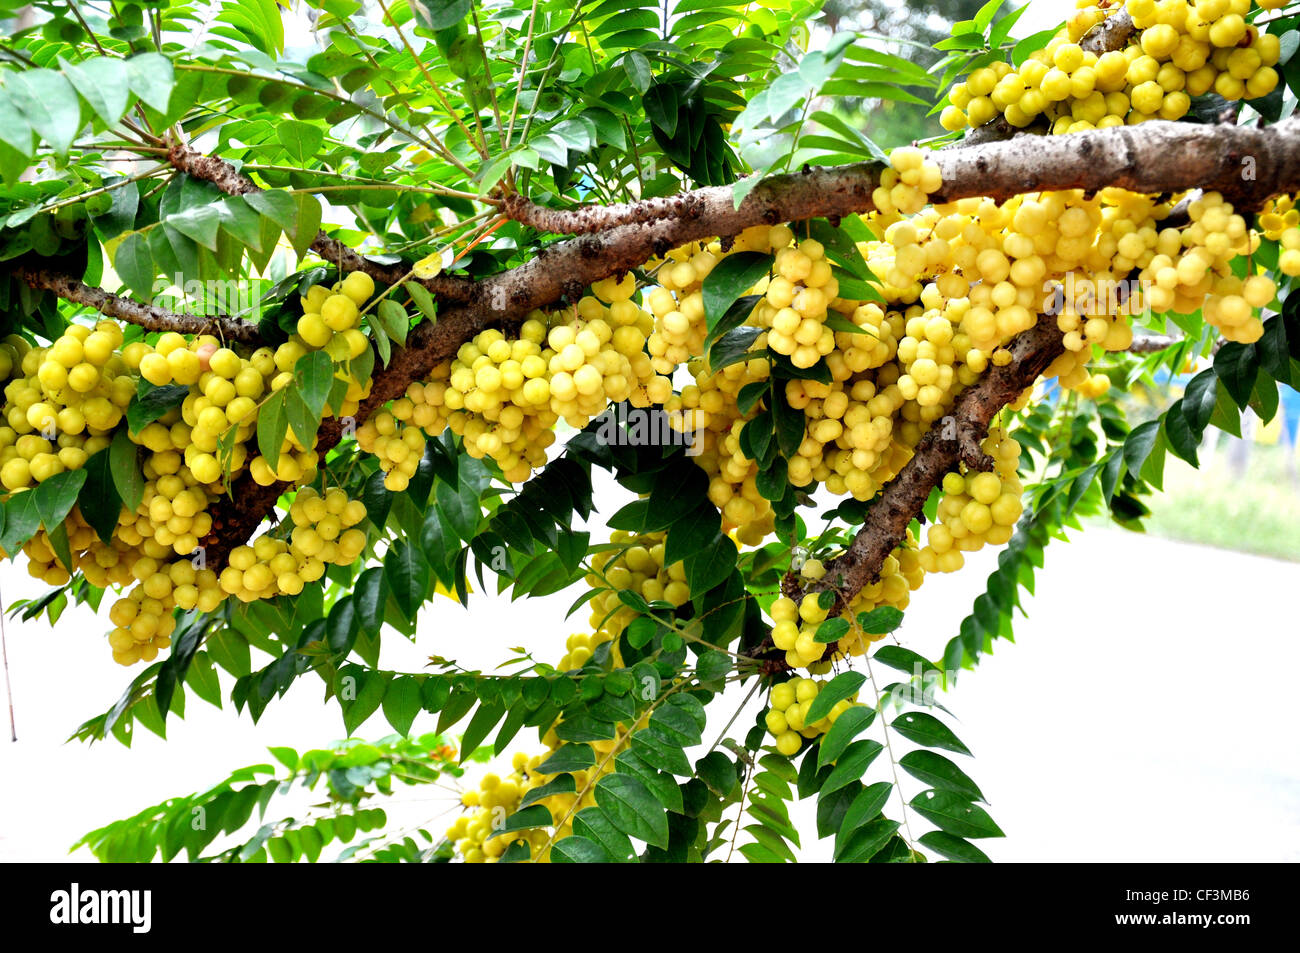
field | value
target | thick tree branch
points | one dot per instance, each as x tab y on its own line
145	315
1246	165
233	182
947	443
1156	157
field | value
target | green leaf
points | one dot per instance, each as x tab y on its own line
408	576
301	140
127	475
905	660
881	620
55	497
279	207
1237	366
1139	444
832	630
851	765
525	819
99	501
315	373
440	14
302	421
578	850
134	264
370	688
561	784
730	279
200	224
863	844
595	825
847	727
840	687
953	847
718	772
151	78
393	318
927	730
955	814
49	102
15	132
402	703
938	772
567	758
632	809
866	805
638	71
421	298
154	403
709	567
104	83
272	424
21	521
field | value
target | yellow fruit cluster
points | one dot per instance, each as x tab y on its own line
496	798
65	402
331	319
786	716
1279	221
1181	49
795	629
797	301
504	396
708	411
398	447
901	574
638	566
976	508
65	406
324	533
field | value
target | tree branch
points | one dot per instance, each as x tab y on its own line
1156	157
133	312
233	182
947	443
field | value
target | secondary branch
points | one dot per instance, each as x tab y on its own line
233	182
147	316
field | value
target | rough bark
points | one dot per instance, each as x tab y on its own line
233	182
947	443
1156	157
133	312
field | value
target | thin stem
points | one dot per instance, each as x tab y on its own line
9	689
481	148
727	727
523	74
86	26
744	795
487	73
393	187
81	197
893	762
339	98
